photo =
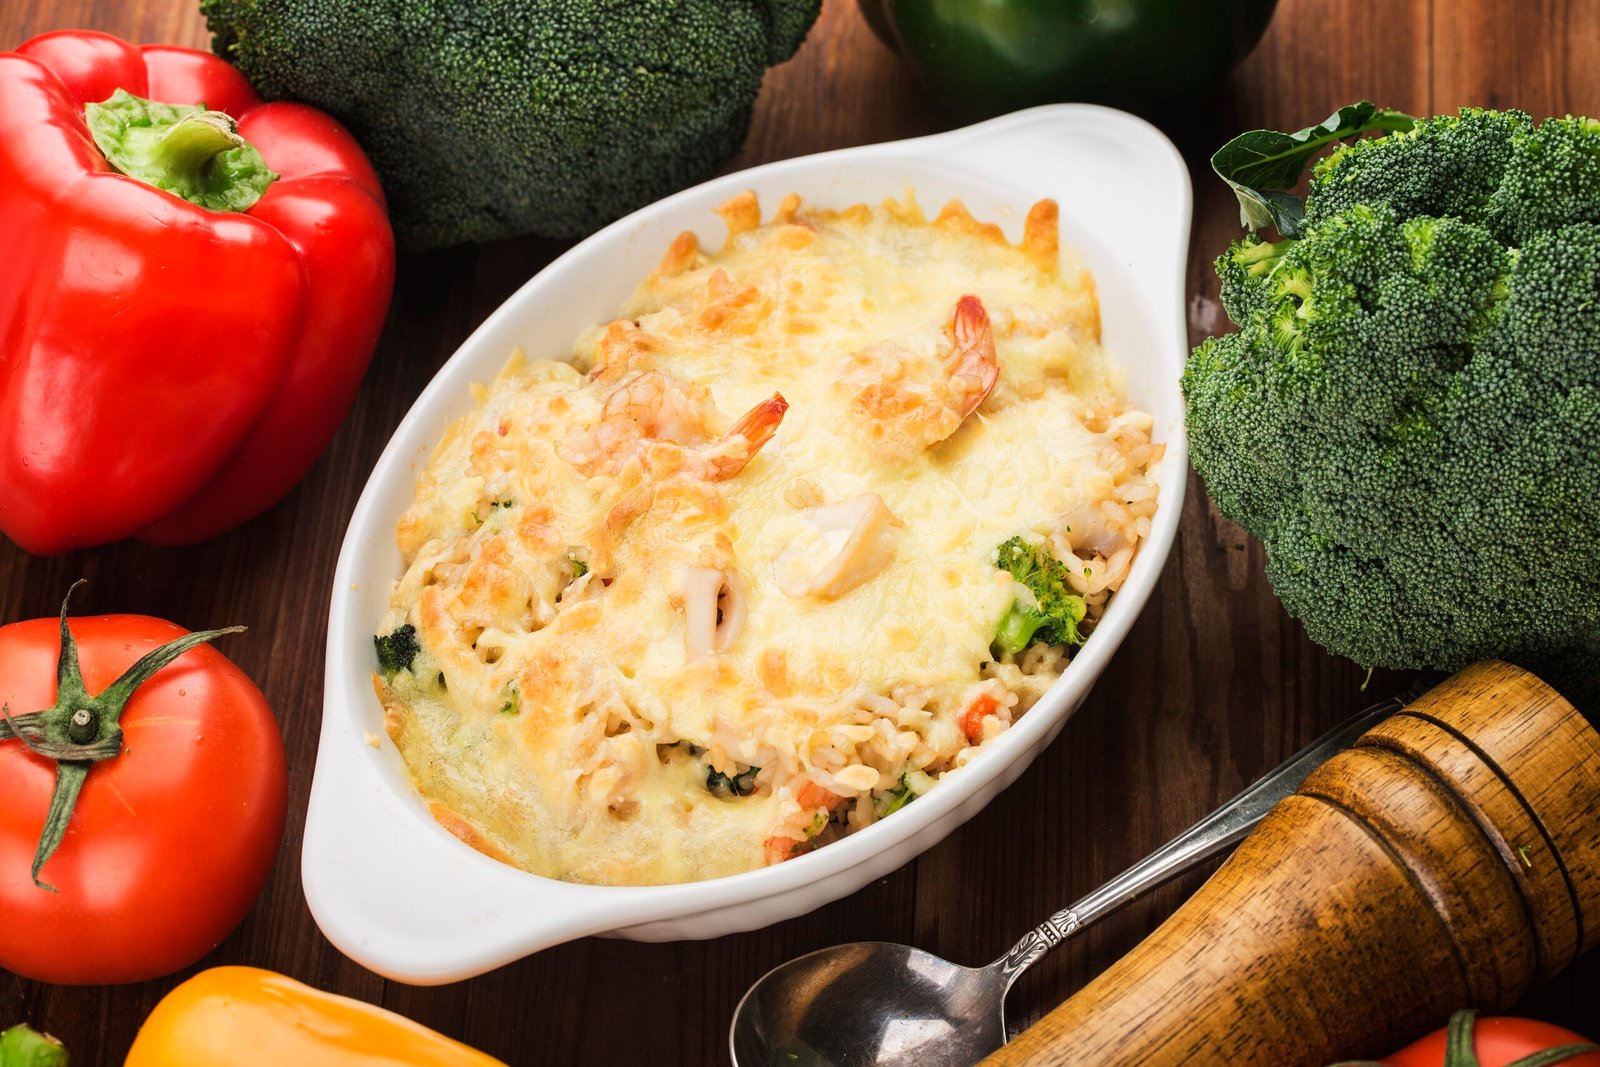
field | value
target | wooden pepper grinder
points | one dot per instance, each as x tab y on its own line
1449	859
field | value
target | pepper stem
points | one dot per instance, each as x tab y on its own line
78	731
191	144
190	152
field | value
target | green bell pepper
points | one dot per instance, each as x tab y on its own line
985	57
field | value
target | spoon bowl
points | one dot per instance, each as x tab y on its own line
870	1004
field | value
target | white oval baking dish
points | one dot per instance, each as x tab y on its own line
396	892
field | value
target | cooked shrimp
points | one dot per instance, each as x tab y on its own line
745	438
652	406
908	402
973	359
657	406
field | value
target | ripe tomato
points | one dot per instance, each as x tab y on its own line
170	841
1495	1041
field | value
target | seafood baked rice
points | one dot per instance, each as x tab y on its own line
744	575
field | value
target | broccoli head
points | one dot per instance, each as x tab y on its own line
1046	609
397	651
1408	416
503	117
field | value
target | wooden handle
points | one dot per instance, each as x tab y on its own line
1449	859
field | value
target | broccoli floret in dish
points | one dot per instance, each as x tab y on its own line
1408	415
738	784
397	651
913	784
1045	608
491	119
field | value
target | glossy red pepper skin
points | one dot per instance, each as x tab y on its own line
168	371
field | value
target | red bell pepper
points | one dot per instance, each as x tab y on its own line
188	297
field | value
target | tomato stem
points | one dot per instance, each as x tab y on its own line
1458	1050
79	731
17	725
63	798
82	727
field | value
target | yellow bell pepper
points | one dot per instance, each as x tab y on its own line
247	1017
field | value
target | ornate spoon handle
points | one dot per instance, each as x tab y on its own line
1218	831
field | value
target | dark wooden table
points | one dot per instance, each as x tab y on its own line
1215	685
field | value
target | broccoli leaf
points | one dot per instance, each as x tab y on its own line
1260	208
398	650
1262	165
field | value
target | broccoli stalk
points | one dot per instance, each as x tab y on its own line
1018	627
1045	609
1407	414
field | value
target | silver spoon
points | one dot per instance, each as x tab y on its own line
876	1004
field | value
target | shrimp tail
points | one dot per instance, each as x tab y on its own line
756	427
759	423
974	357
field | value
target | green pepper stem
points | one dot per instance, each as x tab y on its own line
191	144
187	151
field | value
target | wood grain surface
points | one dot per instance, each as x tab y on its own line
1213	687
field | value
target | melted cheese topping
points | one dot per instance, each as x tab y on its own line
664	642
